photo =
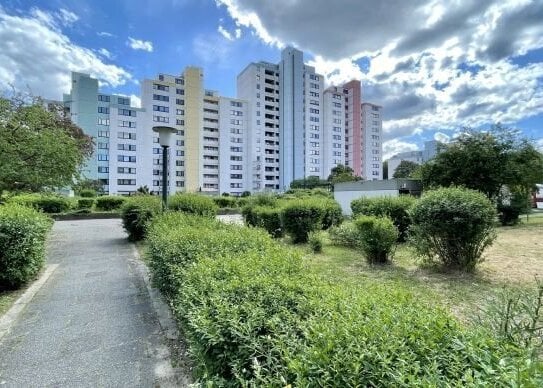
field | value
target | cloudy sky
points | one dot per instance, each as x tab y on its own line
434	65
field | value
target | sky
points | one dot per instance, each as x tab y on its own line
436	66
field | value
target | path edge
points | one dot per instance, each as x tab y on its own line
7	320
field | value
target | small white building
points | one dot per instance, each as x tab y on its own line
346	192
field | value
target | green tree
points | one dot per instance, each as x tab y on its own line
310	182
405	169
486	161
342	173
88	184
40	148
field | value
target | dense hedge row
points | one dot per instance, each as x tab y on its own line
23	232
47	203
193	204
252	315
297	216
137	212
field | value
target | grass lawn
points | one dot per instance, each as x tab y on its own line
514	261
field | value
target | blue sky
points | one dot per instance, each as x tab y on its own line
435	66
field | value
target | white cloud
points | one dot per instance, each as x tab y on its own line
68	17
135	101
441	137
138	44
212	50
539	144
105	34
105	53
433	64
225	33
35	53
395	146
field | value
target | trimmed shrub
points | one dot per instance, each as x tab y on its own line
453	225
110	202
87	193
315	241
268	218
301	216
45	203
253	316
396	208
137	212
333	215
345	235
225	201
85	203
378	236
193	204
23	232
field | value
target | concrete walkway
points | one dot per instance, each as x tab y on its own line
92	323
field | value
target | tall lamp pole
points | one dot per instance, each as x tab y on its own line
164	137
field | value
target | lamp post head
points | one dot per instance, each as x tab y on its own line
164	135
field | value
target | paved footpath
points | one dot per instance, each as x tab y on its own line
92	323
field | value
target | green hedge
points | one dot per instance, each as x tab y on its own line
396	208
85	203
110	202
345	235
378	236
252	315
137	212
47	203
226	202
268	218
453	226
193	204
302	216
23	232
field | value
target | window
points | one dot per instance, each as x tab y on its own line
180	183
123	101
103	121
103	109
179	122
336	137
337	121
102	97
181	92
314	136
236	112
236	176
179	163
160	108
236	149
126	182
126	147
315	144
180	173
103	157
313	85
126	158
236	167
313	102
235	185
160	97
314	119
127	135
236	103
337	104
103	146
235	122
236	158
127	124
161	119
161	87
127	112
314	77
157	151
179	81
180	143
179	112
126	170
313	110
314	152
103	169
179	101
103	133
180	153
314	127
314	94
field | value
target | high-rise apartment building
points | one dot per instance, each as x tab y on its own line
371	141
334	121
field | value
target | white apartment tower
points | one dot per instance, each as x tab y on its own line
333	146
371	141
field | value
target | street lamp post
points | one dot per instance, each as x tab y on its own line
164	137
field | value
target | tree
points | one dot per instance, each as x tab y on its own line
310	182
39	148
342	173
486	161
405	169
88	184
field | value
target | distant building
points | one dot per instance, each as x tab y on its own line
429	152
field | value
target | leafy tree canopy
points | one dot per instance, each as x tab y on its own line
342	173
405	169
40	148
486	161
310	182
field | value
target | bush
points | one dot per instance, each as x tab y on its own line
268	218
315	241
333	215
23	232
85	203
453	225
109	202
193	204
253	316
378	236
396	208
301	216
345	235
136	213
47	203
225	201
87	193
